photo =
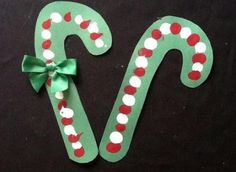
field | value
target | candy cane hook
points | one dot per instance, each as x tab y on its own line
56	21
163	35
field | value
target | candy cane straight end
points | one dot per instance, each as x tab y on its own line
163	35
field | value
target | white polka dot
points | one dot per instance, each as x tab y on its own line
48	54
93	28
185	32
46	34
200	47
59	95
69	129
122	118
78	19
197	67
56	17
135	81
141	61
165	28
128	100
99	43
150	43
116	137
77	145
66	112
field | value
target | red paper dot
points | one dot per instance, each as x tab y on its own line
139	71
130	90
95	36
85	24
125	109
156	34
47	24
194	75
48	61
193	39
120	127
145	52
66	121
113	148
46	44
74	138
61	104
175	28
67	17
79	152
199	57
49	82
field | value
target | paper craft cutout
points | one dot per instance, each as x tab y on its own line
56	21
165	34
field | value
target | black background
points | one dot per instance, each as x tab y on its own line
180	129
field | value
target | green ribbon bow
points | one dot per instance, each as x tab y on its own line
39	72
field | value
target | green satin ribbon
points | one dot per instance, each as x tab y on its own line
39	72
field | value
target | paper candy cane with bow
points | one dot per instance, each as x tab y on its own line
55	22
163	35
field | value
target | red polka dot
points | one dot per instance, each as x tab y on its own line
113	148
67	17
61	104
193	39
194	75
66	121
139	71
156	34
125	109
201	58
46	44
145	52
49	82
47	24
175	28
74	138
48	61
85	24
79	152
130	90
120	127
95	36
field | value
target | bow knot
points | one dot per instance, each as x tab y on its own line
39	72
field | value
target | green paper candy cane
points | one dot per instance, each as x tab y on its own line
165	34
56	21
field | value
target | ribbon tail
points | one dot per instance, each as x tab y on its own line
59	83
37	80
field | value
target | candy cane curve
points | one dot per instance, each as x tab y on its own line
56	21
163	35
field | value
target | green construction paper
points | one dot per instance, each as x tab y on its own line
115	151
55	22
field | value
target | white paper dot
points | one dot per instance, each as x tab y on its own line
69	129
93	28
78	19
46	34
185	32
200	47
165	28
122	118
99	43
141	61
59	95
48	54
150	43
77	145
56	17
135	81
197	67
116	137
66	112
128	100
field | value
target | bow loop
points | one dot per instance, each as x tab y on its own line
40	72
